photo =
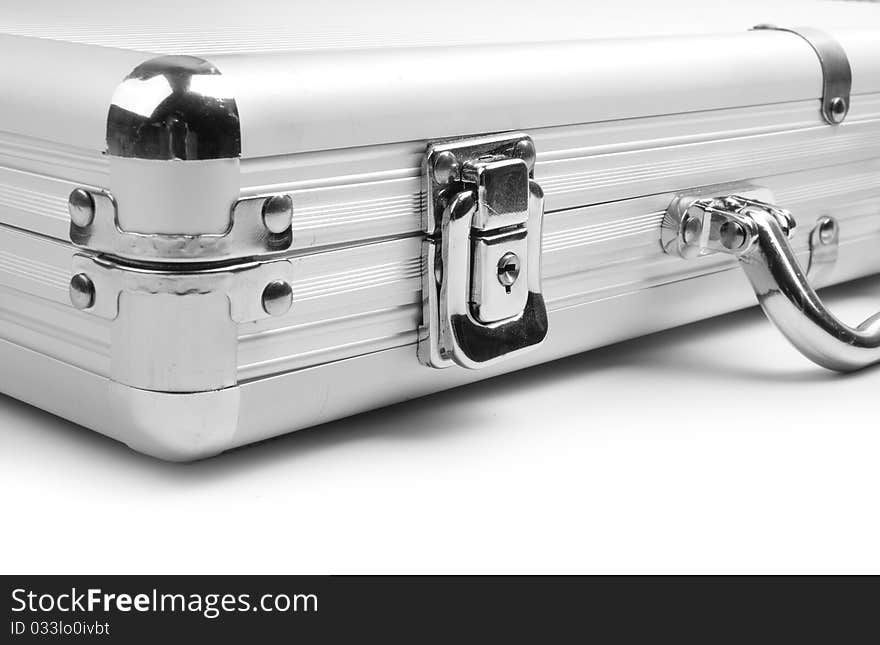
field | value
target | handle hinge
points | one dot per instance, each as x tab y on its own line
742	221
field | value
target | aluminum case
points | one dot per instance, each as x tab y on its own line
183	127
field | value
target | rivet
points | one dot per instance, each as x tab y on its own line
827	230
733	235
508	269
837	109
788	222
278	213
82	291
693	226
525	150
445	168
277	298
81	206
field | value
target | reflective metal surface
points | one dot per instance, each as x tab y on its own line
174	107
836	71
482	298
653	117
824	245
278	213
82	291
81	207
258	226
780	283
277	298
244	285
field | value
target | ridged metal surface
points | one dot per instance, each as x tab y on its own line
328	215
34	265
602	233
372	194
358	278
363	299
36	203
42	273
594	267
49	158
54	329
792	149
607	187
330	220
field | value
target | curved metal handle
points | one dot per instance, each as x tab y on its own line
758	233
789	301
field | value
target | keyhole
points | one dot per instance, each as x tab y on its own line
508	270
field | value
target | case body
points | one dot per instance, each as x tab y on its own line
182	126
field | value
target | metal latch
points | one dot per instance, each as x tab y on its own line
481	272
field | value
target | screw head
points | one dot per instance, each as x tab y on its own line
827	230
82	291
277	298
508	269
837	109
445	168
525	150
733	235
278	213
81	206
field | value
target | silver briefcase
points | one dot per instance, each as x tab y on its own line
219	225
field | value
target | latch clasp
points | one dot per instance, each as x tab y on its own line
482	297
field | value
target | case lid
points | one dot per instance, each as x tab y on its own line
317	76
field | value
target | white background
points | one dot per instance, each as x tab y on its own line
710	448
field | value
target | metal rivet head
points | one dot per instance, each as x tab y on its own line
278	213
692	229
81	206
827	230
837	109
277	298
82	291
525	150
733	235
787	221
445	168
508	269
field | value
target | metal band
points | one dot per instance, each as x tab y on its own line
255	291
836	71
259	225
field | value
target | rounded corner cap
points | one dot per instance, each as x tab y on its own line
175	426
174	107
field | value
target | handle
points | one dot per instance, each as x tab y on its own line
758	233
